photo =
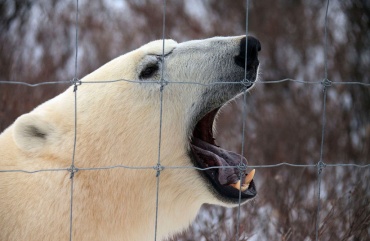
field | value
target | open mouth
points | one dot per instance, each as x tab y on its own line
223	170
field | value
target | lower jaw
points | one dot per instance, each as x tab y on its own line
218	197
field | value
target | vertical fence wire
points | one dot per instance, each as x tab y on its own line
72	170
326	84
159	168
242	167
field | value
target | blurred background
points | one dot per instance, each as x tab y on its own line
283	121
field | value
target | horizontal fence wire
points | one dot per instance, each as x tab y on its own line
185	167
158	168
236	82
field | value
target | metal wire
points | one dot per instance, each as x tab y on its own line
242	166
34	85
159	167
326	83
72	169
185	82
183	167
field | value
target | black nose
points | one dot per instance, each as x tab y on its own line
254	46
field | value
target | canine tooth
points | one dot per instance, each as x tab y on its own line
249	177
236	185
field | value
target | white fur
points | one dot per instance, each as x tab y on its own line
117	124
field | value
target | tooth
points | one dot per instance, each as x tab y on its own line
236	185
246	183
249	177
244	187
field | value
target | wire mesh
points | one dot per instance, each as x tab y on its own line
158	168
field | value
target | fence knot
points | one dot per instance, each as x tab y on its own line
320	165
247	83
163	83
75	82
326	82
72	170
159	168
242	168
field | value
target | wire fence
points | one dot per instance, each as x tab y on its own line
158	168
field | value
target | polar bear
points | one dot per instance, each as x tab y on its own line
118	125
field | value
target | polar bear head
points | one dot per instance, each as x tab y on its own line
197	78
158	102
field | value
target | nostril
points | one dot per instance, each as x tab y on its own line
253	47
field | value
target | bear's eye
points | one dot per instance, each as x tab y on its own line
149	71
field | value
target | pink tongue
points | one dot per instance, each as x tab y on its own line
212	155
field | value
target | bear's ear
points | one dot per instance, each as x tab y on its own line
31	133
